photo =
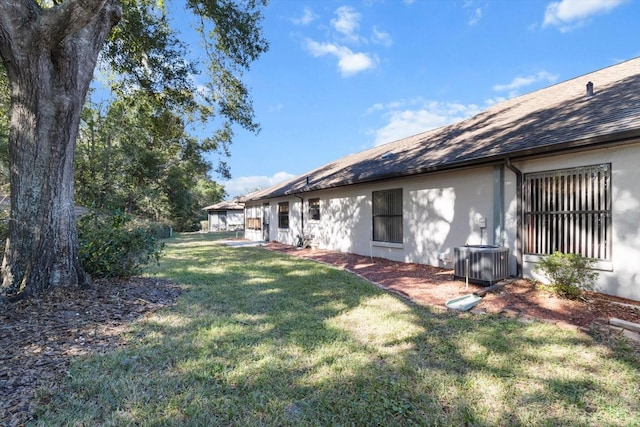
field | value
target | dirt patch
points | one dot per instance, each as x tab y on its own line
39	336
434	286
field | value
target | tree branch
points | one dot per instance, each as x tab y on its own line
13	15
25	22
71	16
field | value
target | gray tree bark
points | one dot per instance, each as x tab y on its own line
50	56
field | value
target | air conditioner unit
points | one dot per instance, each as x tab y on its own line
482	264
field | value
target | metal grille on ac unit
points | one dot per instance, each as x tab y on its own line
482	264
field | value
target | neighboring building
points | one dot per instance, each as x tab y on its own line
225	216
556	169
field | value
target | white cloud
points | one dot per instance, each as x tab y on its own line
245	184
346	27
375	107
347	23
522	81
406	118
475	17
349	62
307	17
275	108
494	101
381	37
474	11
570	14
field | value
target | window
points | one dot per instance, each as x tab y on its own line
314	209
569	211
253	224
252	215
387	216
283	215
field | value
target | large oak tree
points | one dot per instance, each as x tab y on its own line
49	51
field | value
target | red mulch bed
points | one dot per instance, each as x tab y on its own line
434	286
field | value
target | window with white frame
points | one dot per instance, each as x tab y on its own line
283	215
387	216
314	209
569	211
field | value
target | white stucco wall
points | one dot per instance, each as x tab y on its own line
283	235
253	211
214	221
217	221
440	212
235	220
226	220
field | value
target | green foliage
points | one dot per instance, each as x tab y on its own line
136	156
115	245
111	245
143	151
150	60
569	274
159	230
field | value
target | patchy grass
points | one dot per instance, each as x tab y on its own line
263	339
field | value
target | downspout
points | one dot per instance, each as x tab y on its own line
301	214
519	216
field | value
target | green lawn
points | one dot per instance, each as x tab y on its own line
260	338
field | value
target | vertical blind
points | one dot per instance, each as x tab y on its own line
387	216
569	211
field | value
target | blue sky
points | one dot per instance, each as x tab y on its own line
344	76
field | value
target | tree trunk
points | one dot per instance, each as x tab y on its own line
50	64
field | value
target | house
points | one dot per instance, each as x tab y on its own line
556	169
225	216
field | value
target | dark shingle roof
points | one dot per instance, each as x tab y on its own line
551	119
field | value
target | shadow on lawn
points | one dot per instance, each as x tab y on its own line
266	339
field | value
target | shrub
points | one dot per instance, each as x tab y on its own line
159	230
569	274
115	245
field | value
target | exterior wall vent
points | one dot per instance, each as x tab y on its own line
483	264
